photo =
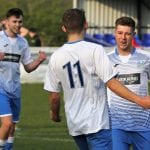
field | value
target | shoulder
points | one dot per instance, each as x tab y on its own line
2	34
22	39
57	53
91	44
94	48
3	38
111	53
143	53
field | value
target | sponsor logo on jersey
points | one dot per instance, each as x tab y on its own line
129	79
11	57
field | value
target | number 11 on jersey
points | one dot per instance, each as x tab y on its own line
70	75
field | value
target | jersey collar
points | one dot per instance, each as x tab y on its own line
117	53
74	42
7	34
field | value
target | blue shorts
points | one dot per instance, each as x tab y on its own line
122	140
10	106
101	140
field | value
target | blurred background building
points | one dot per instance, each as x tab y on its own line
101	16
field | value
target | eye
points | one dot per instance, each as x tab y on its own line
119	33
14	21
128	33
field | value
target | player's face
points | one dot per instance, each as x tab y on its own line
124	36
14	24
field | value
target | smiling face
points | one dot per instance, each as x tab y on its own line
124	35
13	25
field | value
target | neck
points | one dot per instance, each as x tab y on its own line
72	37
10	34
125	52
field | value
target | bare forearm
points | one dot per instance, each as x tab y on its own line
54	100
32	66
125	93
55	107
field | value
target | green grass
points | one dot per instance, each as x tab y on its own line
36	131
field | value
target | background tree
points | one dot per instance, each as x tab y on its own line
45	15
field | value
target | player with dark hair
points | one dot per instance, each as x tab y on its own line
82	69
14	50
130	122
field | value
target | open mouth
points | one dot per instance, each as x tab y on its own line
123	43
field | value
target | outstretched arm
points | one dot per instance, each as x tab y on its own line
124	92
33	65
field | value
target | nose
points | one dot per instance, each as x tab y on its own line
18	24
123	35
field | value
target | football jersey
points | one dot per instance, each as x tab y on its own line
81	69
134	73
15	52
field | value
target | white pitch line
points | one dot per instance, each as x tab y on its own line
45	139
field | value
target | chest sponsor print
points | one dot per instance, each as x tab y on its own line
12	57
129	79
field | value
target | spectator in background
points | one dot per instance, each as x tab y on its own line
34	39
134	43
3	24
24	32
130	122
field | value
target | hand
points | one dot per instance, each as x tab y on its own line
145	102
2	55
42	56
55	117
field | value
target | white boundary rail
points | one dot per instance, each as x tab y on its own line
37	76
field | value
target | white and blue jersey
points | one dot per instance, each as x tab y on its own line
134	73
15	52
81	68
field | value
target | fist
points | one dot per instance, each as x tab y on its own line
42	56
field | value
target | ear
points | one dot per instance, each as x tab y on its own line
85	25
134	33
6	21
63	29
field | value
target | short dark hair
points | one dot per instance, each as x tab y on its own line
73	20
14	12
125	21
34	30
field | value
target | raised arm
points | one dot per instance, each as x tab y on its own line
33	65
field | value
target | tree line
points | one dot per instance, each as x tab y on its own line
44	15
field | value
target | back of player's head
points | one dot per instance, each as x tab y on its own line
74	20
14	12
126	21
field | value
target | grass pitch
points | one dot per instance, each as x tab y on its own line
35	130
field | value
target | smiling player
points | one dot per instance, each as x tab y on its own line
14	50
130	122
